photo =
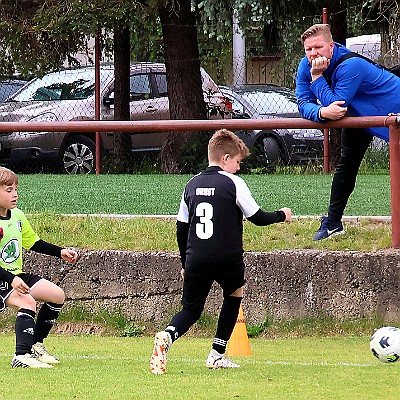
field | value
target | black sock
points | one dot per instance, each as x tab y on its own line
46	318
181	323
226	322
24	329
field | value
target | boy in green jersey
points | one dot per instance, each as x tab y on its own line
22	290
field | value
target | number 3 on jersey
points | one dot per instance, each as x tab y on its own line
204	228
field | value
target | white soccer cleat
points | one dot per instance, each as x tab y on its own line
216	360
40	352
28	361
158	360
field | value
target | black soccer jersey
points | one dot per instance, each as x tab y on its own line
213	204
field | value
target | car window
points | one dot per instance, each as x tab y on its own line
77	90
270	102
7	89
64	85
140	88
161	81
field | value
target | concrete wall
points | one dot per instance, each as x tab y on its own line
285	284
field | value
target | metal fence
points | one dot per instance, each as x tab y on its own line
69	95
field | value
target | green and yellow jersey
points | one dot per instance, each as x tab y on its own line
15	233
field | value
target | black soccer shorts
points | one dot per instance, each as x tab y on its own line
6	289
197	285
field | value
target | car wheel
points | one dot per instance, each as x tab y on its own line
78	156
265	155
272	152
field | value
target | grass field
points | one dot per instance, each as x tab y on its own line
93	367
50	195
160	194
96	368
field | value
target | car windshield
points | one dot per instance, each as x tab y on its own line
65	85
271	102
7	88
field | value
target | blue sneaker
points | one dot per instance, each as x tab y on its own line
328	229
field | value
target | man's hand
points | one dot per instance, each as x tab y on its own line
318	66
334	111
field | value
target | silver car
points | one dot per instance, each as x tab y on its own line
70	96
271	147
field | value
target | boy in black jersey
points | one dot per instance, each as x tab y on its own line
21	290
209	234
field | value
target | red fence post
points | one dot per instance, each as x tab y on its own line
324	15
394	149
97	52
327	168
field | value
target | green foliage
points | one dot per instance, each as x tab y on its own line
325	325
316	326
32	43
46	33
254	331
132	330
376	161
116	320
192	154
207	322
51	32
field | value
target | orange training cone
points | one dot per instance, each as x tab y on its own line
238	344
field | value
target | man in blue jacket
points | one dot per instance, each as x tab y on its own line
325	92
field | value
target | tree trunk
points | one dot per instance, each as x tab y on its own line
185	93
122	141
338	11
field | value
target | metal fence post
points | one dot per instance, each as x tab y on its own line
97	100
394	149
327	168
324	15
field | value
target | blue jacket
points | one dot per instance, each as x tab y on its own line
367	89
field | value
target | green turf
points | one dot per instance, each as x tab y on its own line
160	194
96	368
154	234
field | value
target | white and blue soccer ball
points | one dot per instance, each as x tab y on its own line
385	344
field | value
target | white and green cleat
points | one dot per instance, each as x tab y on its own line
216	360
40	352
28	361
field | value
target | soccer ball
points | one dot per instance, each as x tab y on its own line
385	344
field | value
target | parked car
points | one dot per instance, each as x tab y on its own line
270	147
70	96
9	86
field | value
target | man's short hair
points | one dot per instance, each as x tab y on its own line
8	177
226	142
318	29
